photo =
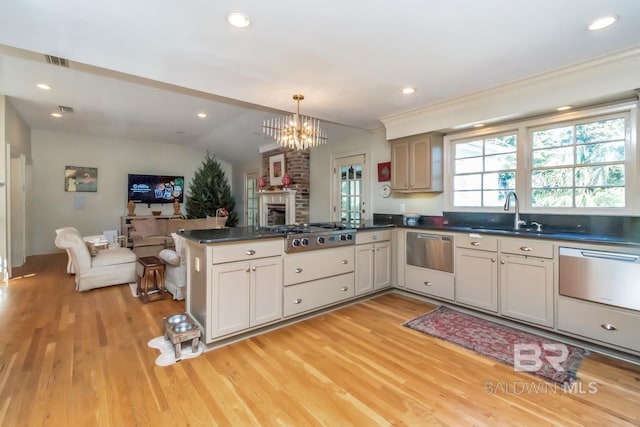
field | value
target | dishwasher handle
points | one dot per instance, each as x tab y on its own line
433	237
610	256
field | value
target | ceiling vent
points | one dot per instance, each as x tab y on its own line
65	109
56	60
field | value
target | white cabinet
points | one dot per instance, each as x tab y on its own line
373	261
526	280
316	279
416	163
526	289
242	289
477	279
435	283
510	276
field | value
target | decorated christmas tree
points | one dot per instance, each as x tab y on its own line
210	194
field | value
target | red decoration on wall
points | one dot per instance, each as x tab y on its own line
384	171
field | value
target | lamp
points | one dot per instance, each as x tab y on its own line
295	131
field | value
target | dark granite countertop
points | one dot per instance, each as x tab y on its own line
231	234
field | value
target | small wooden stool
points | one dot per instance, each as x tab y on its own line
189	331
150	281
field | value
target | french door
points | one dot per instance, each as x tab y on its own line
251	199
350	181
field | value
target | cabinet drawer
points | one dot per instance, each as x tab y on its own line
431	282
313	265
372	236
245	251
591	321
528	247
477	242
315	294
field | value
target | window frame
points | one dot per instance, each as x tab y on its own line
524	166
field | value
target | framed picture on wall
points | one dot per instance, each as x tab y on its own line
276	169
80	179
384	171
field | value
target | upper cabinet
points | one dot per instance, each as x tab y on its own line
416	163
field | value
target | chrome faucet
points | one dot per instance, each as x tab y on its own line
516	219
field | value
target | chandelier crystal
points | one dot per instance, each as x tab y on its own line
296	131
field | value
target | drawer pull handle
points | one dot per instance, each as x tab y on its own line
297	270
345	261
250	252
525	248
608	327
428	283
474	243
297	301
344	288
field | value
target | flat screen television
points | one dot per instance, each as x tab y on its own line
155	188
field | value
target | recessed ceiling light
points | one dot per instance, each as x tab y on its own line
202	115
43	86
564	108
409	90
238	20
57	115
603	22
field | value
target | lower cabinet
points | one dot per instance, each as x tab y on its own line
477	279
599	323
526	289
430	282
315	294
373	267
245	294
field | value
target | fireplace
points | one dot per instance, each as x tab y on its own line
277	207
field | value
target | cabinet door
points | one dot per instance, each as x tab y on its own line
230	289
364	268
266	290
420	164
477	279
526	289
382	265
400	165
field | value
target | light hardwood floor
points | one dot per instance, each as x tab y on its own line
81	359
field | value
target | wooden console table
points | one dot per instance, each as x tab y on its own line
150	271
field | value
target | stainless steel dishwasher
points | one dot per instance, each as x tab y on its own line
430	251
601	276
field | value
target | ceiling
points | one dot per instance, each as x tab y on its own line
143	70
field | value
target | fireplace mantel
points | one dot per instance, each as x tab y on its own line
269	199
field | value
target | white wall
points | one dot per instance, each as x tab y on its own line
91	213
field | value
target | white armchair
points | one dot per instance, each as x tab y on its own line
175	275
112	266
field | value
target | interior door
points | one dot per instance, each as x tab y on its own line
251	199
350	181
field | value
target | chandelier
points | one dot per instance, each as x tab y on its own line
296	131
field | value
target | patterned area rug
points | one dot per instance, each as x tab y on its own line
548	359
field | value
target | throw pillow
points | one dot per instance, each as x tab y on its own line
146	227
170	256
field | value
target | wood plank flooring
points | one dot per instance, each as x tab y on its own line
69	358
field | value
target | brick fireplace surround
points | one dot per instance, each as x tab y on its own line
297	165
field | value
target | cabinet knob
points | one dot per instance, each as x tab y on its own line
608	327
502	261
253	269
250	252
345	261
474	243
344	288
297	270
297	301
525	248
375	237
428	283
247	269
493	260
